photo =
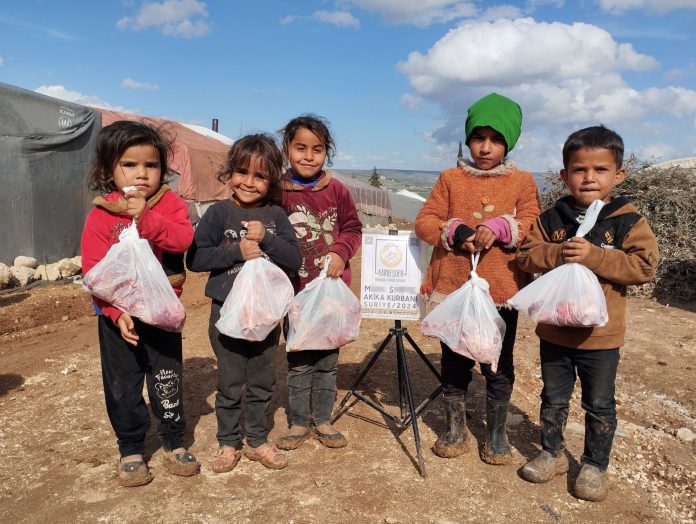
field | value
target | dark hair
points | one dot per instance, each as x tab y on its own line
263	146
596	137
317	125
112	142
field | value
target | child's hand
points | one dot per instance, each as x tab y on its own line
336	266
127	326
135	203
255	230
468	245
250	249
577	249
484	238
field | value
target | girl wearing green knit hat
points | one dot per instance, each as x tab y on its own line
485	205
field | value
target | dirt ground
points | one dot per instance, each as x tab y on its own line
58	453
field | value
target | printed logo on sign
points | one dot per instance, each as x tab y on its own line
391	255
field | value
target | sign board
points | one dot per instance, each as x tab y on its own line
391	275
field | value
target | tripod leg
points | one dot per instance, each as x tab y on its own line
409	397
364	372
422	356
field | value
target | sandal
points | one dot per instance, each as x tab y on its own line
225	459
268	455
293	440
183	464
135	473
330	440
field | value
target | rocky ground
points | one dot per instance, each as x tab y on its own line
58	454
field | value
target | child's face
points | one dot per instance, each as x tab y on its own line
487	147
250	184
306	153
591	174
138	166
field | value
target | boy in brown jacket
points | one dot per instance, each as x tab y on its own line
621	250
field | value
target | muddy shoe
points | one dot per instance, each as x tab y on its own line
496	450
544	467
133	473
330	438
268	455
294	438
225	459
591	484
454	441
183	464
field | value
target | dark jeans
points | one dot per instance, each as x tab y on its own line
156	359
311	386
456	368
597	372
242	363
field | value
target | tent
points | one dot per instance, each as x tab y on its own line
45	150
371	202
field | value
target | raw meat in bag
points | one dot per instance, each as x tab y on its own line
468	321
569	295
131	278
259	299
324	315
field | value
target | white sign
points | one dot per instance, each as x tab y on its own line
391	275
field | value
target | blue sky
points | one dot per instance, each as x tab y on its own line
393	77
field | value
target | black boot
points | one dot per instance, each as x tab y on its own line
496	450
454	441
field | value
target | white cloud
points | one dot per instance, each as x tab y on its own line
657	152
418	12
337	18
343	157
181	18
529	62
657	6
60	92
290	19
413	103
2	61
129	83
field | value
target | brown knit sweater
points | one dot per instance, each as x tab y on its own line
474	196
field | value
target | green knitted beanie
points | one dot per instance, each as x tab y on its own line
500	113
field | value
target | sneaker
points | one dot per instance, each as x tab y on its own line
133	473
183	464
330	438
294	438
544	467
591	484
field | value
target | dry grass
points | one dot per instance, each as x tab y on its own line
667	199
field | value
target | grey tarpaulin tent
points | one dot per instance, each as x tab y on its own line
45	149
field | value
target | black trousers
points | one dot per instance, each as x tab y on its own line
456	368
156	359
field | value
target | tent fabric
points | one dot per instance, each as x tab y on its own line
197	158
368	199
45	151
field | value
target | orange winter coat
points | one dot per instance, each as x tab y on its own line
474	196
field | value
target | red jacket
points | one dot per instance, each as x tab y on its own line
325	220
166	226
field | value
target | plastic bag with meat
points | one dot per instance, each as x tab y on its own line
324	315
131	278
569	295
468	321
259	299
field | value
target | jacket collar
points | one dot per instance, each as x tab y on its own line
323	181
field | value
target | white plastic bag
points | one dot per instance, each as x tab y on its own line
324	315
259	299
569	295
131	278
468	321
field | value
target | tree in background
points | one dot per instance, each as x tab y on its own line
460	155
374	178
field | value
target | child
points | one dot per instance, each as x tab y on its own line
488	205
326	223
134	154
248	225
621	250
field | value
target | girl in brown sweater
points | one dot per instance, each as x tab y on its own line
483	205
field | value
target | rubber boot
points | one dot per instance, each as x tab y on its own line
544	467
496	449
454	441
591	484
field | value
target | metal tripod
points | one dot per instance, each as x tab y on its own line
409	413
